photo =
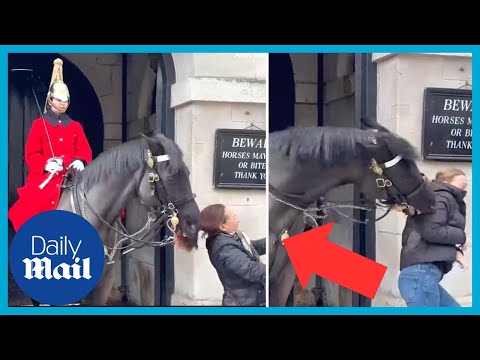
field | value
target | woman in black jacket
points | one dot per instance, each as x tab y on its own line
236	261
431	243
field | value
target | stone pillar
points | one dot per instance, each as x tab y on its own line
305	73
104	72
215	91
402	79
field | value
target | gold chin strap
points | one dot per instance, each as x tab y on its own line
174	221
150	161
152	176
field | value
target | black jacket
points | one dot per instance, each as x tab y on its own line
241	272
432	238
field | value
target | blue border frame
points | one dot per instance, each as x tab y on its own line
205	310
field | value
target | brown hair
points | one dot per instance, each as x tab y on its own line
448	174
211	218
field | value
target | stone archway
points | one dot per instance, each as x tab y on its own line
149	78
281	92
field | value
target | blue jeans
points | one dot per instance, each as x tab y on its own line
420	286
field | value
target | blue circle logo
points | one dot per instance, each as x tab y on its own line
57	257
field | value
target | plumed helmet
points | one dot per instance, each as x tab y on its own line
58	89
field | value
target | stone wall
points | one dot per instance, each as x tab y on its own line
215	91
402	79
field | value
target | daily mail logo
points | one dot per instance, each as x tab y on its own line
42	268
57	257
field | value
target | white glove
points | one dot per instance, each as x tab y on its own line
77	165
53	167
59	161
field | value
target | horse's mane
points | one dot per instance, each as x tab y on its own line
124	159
335	145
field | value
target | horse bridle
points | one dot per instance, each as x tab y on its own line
165	214
154	179
384	182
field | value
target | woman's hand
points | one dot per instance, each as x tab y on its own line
461	260
466	246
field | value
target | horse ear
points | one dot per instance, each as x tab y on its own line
154	143
373	124
143	135
149	141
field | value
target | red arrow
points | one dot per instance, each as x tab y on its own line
311	252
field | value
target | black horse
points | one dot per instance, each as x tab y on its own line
148	168
306	163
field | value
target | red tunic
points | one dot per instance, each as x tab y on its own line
68	142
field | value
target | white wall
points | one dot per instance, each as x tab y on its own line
402	79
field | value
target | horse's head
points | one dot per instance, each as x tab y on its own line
165	185
397	177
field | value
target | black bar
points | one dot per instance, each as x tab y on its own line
164	278
320	89
124	260
319	283
364	235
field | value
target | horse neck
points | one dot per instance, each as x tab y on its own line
288	200
308	184
109	197
303	187
282	216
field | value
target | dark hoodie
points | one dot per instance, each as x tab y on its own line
432	238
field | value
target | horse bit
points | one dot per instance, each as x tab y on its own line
156	216
382	182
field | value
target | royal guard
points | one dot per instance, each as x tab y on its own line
55	143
